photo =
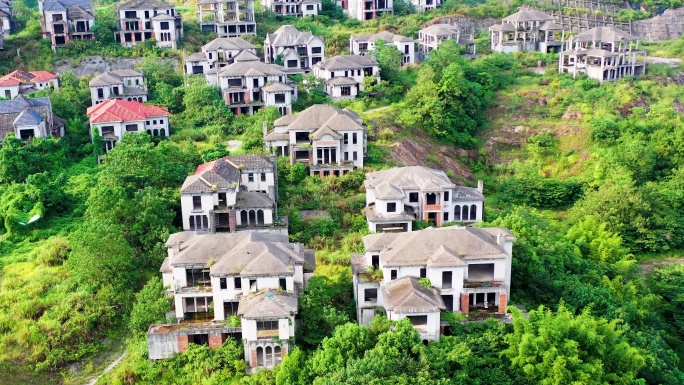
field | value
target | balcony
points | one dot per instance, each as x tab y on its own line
476	284
432	207
267	333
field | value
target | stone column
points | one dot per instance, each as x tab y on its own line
215	340
183	343
232	219
502	302
465	305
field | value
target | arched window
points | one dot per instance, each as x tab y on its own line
243	218
260	217
192	222
205	222
277	354
162	132
252	217
129	99
149	132
140	99
268	360
156	132
473	212
465	213
260	356
457	213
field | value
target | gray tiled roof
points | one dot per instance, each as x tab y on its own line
342	81
245	55
144	4
407	295
228	43
11	109
63	5
528	15
604	34
197	56
388	37
440	30
277	87
343	62
269	304
251	67
288	36
320	115
253	200
250	161
218	174
418	248
373	216
388	183
252	257
28	117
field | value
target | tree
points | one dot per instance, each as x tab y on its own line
389	58
560	348
349	341
151	305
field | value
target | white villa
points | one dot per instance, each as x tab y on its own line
300	50
118	84
28	118
227	18
249	84
344	75
114	118
426	272
252	277
217	54
365	44
604	54
64	20
527	30
23	82
329	140
431	37
366	9
231	194
398	196
141	20
296	8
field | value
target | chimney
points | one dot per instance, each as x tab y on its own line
265	129
297	248
177	247
480	186
501	240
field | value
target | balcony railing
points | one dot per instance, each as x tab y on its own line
267	333
477	284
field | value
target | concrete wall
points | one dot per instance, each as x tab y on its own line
162	345
467	25
667	26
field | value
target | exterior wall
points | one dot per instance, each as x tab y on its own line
39	131
311	9
145	24
432	328
257	184
13	92
356	73
209	200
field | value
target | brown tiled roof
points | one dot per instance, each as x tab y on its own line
407	295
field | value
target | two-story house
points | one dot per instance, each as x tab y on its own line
297	51
249	84
527	30
604	54
118	84
454	269
365	44
329	140
431	37
217	54
366	9
22	82
227	18
344	75
141	20
398	196
114	118
28	118
65	20
247	276
297	8
234	193
426	5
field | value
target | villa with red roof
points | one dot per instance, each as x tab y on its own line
113	118
22	82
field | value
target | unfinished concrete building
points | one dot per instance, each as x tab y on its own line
604	54
526	30
228	18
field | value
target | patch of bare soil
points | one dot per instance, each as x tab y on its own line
419	150
648	267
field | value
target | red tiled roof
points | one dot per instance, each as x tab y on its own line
18	77
43	76
204	167
123	111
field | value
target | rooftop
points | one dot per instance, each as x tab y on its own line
288	36
407	295
319	116
389	37
228	43
19	77
268	304
440	30
211	176
391	184
343	62
123	111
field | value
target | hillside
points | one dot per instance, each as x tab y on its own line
587	176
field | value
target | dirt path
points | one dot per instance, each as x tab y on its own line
671	61
108	368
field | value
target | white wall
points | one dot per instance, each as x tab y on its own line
13	90
433	324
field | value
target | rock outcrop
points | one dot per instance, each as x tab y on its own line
668	26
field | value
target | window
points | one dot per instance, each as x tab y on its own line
406	49
250	177
413	197
345	91
375	261
129	14
154	122
197	277
223	284
197	202
346	138
446	280
148	122
291	64
445	217
282	283
107	130
423	272
473	212
315	49
391	207
115	90
237	282
393	274
131	127
346	156
457	213
354	157
100	93
354	138
252	284
147	14
164	25
430	199
310	7
370	295
446	196
267	328
263	177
